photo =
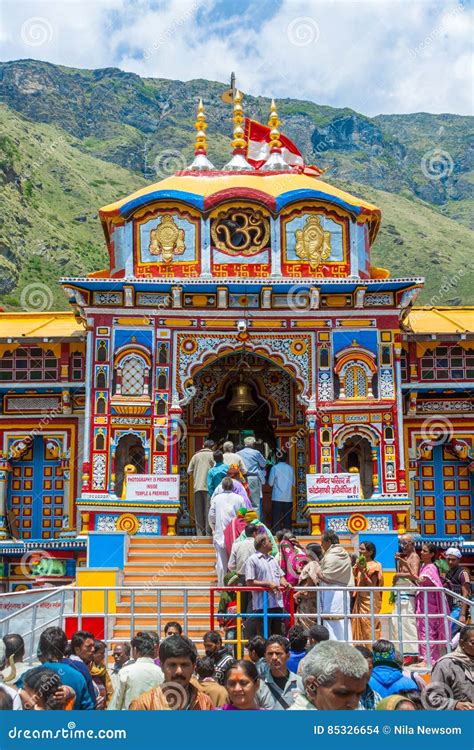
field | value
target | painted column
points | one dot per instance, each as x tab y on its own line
398	396
375	471
89	394
5	468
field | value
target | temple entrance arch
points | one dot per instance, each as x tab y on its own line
129	450
277	420
356	453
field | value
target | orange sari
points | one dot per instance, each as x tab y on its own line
361	630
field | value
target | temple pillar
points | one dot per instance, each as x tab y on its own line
5	468
375	472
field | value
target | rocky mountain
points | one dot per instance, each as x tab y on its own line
72	140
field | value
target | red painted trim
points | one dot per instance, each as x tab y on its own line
235	193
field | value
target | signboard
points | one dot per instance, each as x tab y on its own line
153	488
333	486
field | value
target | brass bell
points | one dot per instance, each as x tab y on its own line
241	398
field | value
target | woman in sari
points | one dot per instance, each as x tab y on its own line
430	603
293	558
235	529
367	572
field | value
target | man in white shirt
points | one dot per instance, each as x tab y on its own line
282	481
139	677
223	509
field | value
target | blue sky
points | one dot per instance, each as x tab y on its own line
376	57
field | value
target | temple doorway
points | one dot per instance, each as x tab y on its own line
129	451
356	453
233	400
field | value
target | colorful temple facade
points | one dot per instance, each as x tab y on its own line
249	276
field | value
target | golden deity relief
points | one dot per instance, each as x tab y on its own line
313	243
240	232
167	239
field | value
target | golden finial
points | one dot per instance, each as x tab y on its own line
200	163
239	143
275	160
274	125
200	145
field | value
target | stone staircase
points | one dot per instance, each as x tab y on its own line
172	562
169	562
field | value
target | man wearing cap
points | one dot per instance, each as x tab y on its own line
199	467
458	581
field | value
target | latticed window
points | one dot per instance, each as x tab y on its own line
29	363
133	376
77	366
447	363
355	384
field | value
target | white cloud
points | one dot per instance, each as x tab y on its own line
377	56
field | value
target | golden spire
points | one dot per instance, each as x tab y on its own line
200	145
275	160
201	163
239	143
274	125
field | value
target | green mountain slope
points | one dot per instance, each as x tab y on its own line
49	226
73	140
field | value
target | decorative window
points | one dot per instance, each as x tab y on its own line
100	441
163	354
76	366
324	357
385	355
160	443
101	381
101	405
355	383
389	434
447	363
29	363
133	376
404	366
101	351
162	380
161	407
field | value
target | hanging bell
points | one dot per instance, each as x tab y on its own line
242	398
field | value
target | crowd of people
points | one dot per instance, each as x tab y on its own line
311	622
304	671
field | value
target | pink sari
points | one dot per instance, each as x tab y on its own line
434	603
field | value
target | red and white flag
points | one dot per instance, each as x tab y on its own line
258	148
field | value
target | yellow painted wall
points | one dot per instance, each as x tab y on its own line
387	581
93	602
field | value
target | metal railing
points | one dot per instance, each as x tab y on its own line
196	608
